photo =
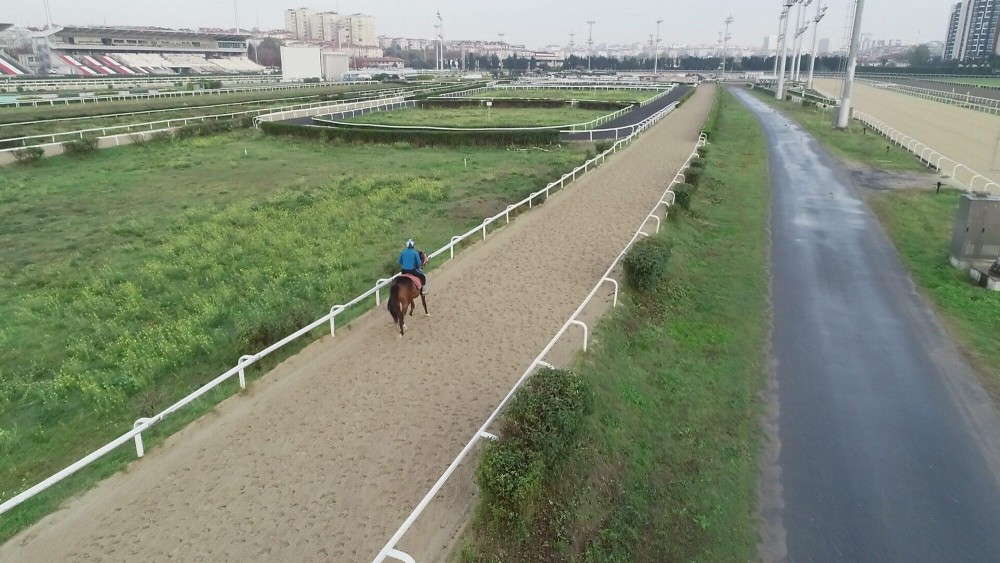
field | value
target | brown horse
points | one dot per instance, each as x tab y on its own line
402	296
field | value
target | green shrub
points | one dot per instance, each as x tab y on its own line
693	176
206	128
80	147
645	264
602	146
703	151
697	163
683	194
29	155
417	138
539	429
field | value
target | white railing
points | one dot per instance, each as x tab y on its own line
930	157
988	105
177	94
390	550
50	138
246	361
544	86
618	131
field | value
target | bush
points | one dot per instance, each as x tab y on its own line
683	194
693	176
646	263
703	151
311	80
417	138
29	155
697	163
80	147
206	128
539	429
602	146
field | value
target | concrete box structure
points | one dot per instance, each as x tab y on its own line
334	65
976	235
300	63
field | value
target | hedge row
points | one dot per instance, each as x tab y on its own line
521	103
539	429
418	138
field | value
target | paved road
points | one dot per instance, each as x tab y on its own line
883	445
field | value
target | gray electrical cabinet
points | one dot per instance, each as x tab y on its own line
976	237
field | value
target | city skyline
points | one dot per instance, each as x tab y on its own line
688	22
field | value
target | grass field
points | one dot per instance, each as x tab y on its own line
481	117
666	469
985	81
560	94
27	113
854	143
137	274
920	223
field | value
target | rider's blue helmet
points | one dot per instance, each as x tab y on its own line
409	243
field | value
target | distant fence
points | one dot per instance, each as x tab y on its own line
927	155
390	549
978	103
550	86
244	362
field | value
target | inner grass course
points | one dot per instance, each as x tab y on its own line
137	274
984	81
481	117
666	469
568	94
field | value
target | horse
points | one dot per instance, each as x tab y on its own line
403	295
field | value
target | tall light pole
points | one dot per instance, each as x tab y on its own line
844	115
779	93
777	41
590	43
820	12
441	37
795	39
500	35
656	52
725	45
802	40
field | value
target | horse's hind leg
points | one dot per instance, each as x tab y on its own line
424	303
413	305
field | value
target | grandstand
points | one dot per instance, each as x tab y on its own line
126	51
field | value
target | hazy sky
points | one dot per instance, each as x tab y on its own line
535	23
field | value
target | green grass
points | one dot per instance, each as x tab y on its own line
666	469
852	143
135	275
28	113
481	117
560	94
920	225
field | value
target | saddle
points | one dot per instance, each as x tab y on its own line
415	280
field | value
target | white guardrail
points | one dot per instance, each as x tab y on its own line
145	126
595	87
968	101
390	550
930	157
143	424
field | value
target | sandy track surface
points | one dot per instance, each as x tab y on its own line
325	456
965	135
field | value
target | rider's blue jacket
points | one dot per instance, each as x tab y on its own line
409	259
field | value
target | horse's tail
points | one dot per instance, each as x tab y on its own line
393	303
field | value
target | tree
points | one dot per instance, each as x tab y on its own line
919	55
268	53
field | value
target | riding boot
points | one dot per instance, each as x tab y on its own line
423	290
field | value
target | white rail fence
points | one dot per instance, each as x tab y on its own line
595	87
390	549
968	101
930	157
244	362
179	94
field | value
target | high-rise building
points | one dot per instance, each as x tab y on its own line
770	43
973	30
359	30
297	22
324	26
824	47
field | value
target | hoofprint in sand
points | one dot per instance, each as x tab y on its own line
324	457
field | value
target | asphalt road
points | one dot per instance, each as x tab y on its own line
883	446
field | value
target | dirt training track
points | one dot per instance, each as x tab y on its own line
324	457
964	135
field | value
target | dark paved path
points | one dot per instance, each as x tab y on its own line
883	446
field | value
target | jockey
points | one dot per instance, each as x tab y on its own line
409	261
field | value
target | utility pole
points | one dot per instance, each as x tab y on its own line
795	39
725	45
779	93
820	12
236	11
844	115
777	42
590	43
802	32
441	37
501	34
656	53
48	16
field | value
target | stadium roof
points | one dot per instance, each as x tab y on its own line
146	32
5	26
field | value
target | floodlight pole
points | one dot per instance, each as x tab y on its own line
656	50
820	12
844	115
795	40
48	16
725	45
236	11
590	43
779	93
